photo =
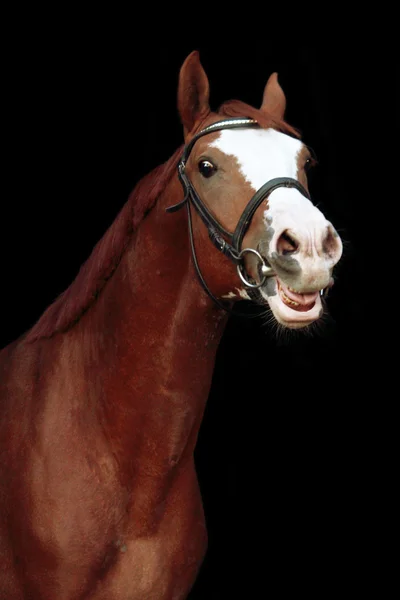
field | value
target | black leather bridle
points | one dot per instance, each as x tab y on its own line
217	233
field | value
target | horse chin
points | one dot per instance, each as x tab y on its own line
291	309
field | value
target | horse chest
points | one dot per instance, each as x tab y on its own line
146	553
153	567
161	562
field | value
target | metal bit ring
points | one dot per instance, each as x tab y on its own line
265	269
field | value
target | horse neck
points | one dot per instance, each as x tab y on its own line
162	333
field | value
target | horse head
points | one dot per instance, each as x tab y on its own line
283	246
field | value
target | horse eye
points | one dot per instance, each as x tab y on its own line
206	168
308	164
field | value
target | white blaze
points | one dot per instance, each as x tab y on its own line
263	154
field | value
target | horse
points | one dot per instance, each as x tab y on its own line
102	399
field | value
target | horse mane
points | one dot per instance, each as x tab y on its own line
236	108
69	307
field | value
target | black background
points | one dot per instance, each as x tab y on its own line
292	454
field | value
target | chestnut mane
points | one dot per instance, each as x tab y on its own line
106	255
95	272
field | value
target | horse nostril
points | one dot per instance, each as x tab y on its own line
287	244
332	244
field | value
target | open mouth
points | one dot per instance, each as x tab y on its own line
292	308
295	300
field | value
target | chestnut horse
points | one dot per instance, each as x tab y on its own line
102	400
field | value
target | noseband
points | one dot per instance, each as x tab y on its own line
217	233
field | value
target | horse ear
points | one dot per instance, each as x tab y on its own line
274	100
193	92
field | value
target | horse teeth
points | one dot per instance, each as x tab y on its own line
288	300
321	292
